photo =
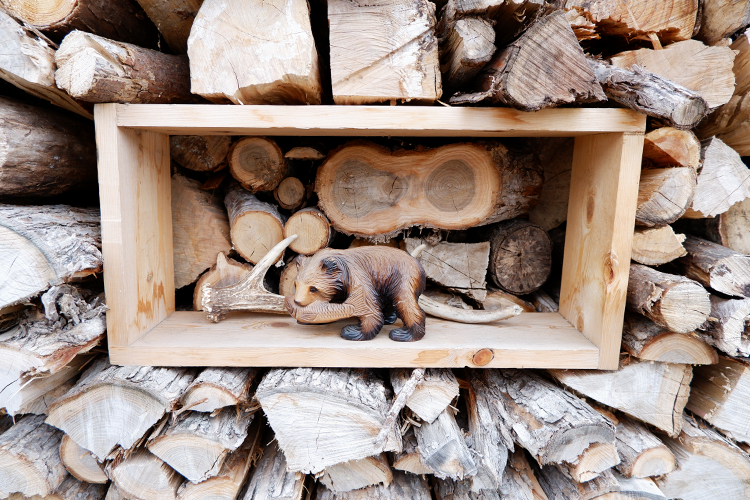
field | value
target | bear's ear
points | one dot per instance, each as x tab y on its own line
330	265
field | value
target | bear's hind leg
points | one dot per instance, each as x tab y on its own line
389	314
368	327
413	317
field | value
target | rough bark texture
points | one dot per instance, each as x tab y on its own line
443	448
257	163
730	123
131	398
559	486
730	229
657	245
721	18
403	486
313	230
726	325
409	459
664	194
322	417
653	392
464	50
266	54
173	19
357	474
677	303
642	454
383	52
271	480
645	339
203	153
544	67
432	395
225	272
30	458
255	226
80	462
43	152
95	69
520	257
652	94
716	267
217	387
669	147
142	476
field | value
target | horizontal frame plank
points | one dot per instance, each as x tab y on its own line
410	121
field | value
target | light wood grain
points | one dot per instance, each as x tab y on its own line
601	214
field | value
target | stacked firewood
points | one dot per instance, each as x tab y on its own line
671	422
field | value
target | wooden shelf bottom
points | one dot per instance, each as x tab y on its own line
531	340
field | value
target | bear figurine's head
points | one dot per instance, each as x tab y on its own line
320	278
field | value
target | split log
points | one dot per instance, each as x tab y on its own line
409	459
694	57
30	458
290	193
313	230
369	191
520	256
123	20
509	18
730	123
357	474
433	394
670	21
195	444
200	230
265	54
133	398
464	50
730	229
173	19
519	479
271	479
47	348
71	489
677	303
322	417
45	152
721	18
225	272
203	153
443	448
227	484
597	458
40	405
257	163
723	180
255	226
304	153
653	392
383	52
561	73
497	299
608	486
655	246
652	94
710	467
646	340
669	147
217	388
664	194
726	325
741	68
95	69
556	156
549	422
720	396
403	486
28	62
460	267
642	454
80	463
715	266
142	476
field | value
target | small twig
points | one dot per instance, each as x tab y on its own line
417	376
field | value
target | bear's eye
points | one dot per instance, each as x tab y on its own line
313	289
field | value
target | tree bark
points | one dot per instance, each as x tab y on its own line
669	147
131	398
726	325
443	448
217	388
433	394
383	52
652	392
464	50
277	63
715	266
28	62
409	459
730	229
678	304
655	246
271	479
173	19
255	226
721	18
403	486
365	189
45	152
80	462
225	272
652	94
202	153
520	257
642	454
322	417
313	230
730	124
510	19
200	230
124	20
290	193
357	474
257	163
560	73
73	489
142	476
664	194
646	340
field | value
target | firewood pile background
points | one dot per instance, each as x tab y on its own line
672	422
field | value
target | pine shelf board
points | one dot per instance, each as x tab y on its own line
538	340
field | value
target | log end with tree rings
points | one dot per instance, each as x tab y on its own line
312	228
290	193
520	256
257	163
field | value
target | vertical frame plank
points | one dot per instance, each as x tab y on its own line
135	199
601	219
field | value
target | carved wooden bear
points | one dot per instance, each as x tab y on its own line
376	284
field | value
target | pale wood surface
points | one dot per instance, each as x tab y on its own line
134	177
642	454
599	234
173	19
290	193
257	163
403	486
664	194
271	480
443	449
432	395
726	325
409	459
669	147
357	474
466	47
313	230
716	266
142	476
644	339
242	339
80	462
742	59
730	124
375	121
255	226
216	388
730	229
721	18
657	245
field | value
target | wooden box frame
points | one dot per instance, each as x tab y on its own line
144	329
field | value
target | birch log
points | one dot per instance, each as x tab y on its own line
218	387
